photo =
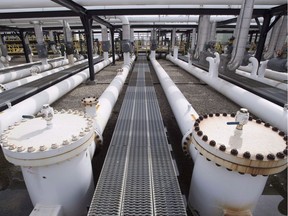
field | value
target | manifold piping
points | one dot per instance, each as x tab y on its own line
264	109
34	104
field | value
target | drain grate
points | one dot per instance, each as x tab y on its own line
138	176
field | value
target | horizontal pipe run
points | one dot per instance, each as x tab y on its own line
28	79
276	84
109	97
264	109
183	111
34	104
14	75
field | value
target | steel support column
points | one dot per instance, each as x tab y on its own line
22	38
87	24
113	45
263	35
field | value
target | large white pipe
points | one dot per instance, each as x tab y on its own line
15	75
282	38
273	40
126	38
183	111
203	34
109	97
34	104
14	67
264	109
25	80
40	68
104	40
241	36
260	76
6	4
264	72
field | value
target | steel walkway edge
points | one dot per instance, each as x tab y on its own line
138	176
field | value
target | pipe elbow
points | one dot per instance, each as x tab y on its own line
124	20
255	65
210	60
217	57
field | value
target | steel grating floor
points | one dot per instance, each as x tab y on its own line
138	176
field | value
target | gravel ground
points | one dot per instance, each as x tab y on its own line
203	98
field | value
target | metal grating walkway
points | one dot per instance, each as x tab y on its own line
138	176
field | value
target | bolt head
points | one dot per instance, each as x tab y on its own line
31	149
42	148
54	146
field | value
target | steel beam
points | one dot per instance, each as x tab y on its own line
263	35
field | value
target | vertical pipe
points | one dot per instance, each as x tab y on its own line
263	35
203	28
25	46
69	41
282	38
113	46
41	48
242	35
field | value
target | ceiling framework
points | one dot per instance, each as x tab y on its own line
12	21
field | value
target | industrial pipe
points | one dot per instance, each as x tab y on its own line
243	26
105	42
100	109
260	107
25	80
14	75
273	40
268	73
203	30
260	76
6	4
33	104
183	111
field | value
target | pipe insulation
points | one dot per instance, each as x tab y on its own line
109	97
264	109
282	38
34	104
203	34
274	38
14	75
25	80
104	40
183	111
241	35
6	4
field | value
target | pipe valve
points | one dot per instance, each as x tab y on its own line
47	113
242	117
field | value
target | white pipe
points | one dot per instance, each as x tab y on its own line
25	80
14	75
263	72
264	109
126	37
282	38
33	104
40	68
104	39
203	29
213	31
276	84
255	65
6	4
241	35
183	111
14	67
109	97
273	40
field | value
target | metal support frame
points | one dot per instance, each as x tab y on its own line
113	45
87	24
263	35
22	38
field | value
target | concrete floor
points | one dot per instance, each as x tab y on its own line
14	199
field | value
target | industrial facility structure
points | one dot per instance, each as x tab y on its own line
143	108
